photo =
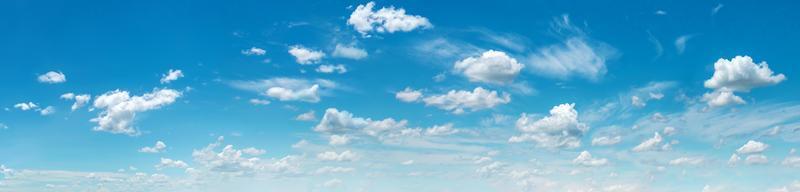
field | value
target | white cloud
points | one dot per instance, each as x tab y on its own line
255	101
288	89
26	106
606	140
350	52
157	148
80	100
169	163
171	75
680	43
310	94
119	108
492	66
739	74
305	56
575	57
722	97
586	159
649	144
458	101
385	20
752	147
340	69
561	129
47	110
52	77
307	116
756	159
441	130
236	161
333	156
254	51
687	161
637	102
408	95
339	140
332	183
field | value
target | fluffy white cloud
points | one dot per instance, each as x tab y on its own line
157	148
408	95
52	77
119	108
305	56
237	162
307	116
169	163
333	156
458	101
722	97
254	51
350	52
80	100
742	74
385	20
26	106
253	151
560	129
288	89
752	147
756	159
440	130
332	69
336	122
649	144
687	161
491	67
586	159
339	140
606	140
171	75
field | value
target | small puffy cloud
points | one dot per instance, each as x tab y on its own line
722	97
310	94
408	95
307	116
52	77
171	75
606	140
457	101
752	147
585	159
254	51
339	140
385	20
170	163
561	129
47	111
332	183
340	69
333	156
335	121
350	52
80	100
157	148
305	56
288	89
120	108
576	57
240	161
756	159
687	161
255	101
492	66
26	106
649	144
441	130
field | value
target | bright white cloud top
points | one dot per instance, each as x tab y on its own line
491	67
52	77
386	20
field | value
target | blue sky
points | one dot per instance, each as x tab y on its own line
399	96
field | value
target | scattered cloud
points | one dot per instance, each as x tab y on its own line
306	56
492	66
385	20
752	147
586	159
739	74
307	116
120	108
254	51
171	75
80	100
349	52
157	148
408	95
561	129
340	69
457	101
333	156
52	77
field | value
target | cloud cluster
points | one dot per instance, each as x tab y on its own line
254	51
288	89
385	20
80	100
739	74
120	108
585	159
159	147
561	129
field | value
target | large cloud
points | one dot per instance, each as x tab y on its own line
385	20
739	74
120	108
458	101
491	67
560	129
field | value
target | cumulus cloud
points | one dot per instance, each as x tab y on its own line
240	161
385	20
170	163
739	74
687	161
333	156
80	100
288	89
332	183
752	147
157	148
120	108
47	111
585	159
492	66
339	140
649	144
52	77
171	75
441	130
306	56
408	95
310	94
307	116
561	129
457	101
349	52
254	51
340	69
26	106
337	122
606	140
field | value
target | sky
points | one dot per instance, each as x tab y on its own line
399	96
